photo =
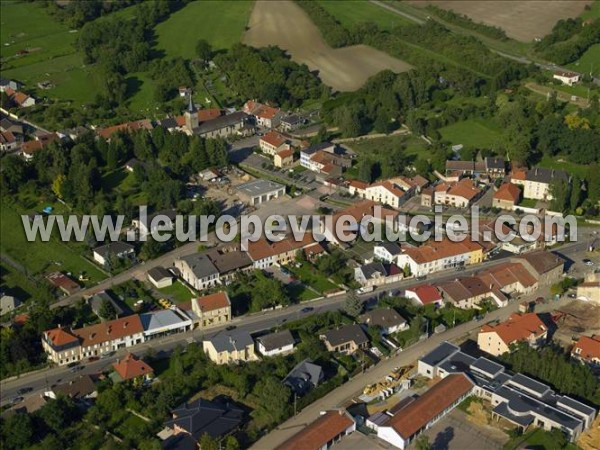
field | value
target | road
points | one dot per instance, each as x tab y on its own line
41	380
343	395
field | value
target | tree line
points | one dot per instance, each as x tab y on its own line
569	40
465	21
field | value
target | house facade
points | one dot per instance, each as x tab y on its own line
212	309
497	339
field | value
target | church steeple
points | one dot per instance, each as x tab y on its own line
191	115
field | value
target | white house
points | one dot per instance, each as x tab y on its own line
387	251
568	78
118	249
280	343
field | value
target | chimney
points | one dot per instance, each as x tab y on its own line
125	324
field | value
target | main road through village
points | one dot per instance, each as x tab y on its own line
41	380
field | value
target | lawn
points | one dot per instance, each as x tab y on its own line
350	13
300	293
220	23
536	438
557	162
473	133
41	257
177	292
593	12
412	144
589	61
528	203
309	275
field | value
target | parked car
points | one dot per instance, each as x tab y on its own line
421	277
588	262
24	390
231	327
307	309
17	400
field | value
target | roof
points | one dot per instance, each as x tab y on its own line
96	300
347	333
62	281
229	260
317	147
464	288
59	337
259	187
518	327
214	301
6	137
286	153
392	248
488	367
131	367
543	175
220	122
277	340
427	293
431	404
109	330
200	265
437	250
164	318
438	354
304	376
209	114
509	192
78	388
114	248
318	433
542	262
561	73
159	273
383	317
358	184
231	341
373	269
292	119
587	347
274	138
217	417
420	181
31	147
464	188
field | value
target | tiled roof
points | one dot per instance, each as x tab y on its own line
438	250
542	262
274	138
587	347
426	293
110	330
509	192
464	188
131	367
209	114
62	281
59	337
285	153
358	184
518	327
432	403
347	333
317	434
214	301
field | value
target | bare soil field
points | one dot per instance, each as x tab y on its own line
284	24
581	317
523	20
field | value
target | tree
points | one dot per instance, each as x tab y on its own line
231	443
559	189
106	310
204	51
273	398
57	185
575	197
17	431
352	306
365	170
422	443
207	442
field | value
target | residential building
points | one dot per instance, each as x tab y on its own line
63	282
217	418
509	278
291	122
273	142
519	327
279	343
198	271
329	428
229	260
489	166
256	192
304	377
387	251
128	127
212	309
79	389
459	195
264	253
230	347
117	249
8	303
377	274
435	256
325	158
18	98
30	148
507	196
407	423
160	277
568	78
545	267
264	115
97	301
587	350
424	294
347	339
536	182
8	141
469	292
9	84
283	158
516	398
131	368
358	188
386	319
386	193
163	220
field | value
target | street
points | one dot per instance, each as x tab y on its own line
252	323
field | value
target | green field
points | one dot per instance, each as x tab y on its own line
593	13
414	145
177	292
40	257
473	133
350	13
589	61
309	275
220	23
574	169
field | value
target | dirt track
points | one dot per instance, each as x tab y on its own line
523	20
284	24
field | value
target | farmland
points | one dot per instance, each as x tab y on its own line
219	23
473	133
522	20
589	61
284	24
350	13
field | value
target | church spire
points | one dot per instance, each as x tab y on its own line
191	107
